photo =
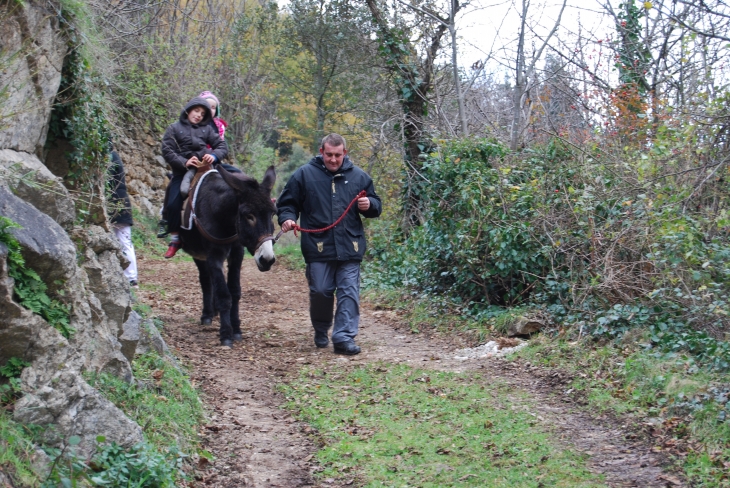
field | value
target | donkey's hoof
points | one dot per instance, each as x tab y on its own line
226	343
206	321
237	337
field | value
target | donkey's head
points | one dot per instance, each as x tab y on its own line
254	222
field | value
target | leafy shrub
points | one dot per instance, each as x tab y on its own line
30	291
603	245
11	371
477	242
111	465
139	466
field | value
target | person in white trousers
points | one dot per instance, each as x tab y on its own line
120	210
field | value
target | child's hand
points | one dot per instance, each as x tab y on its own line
208	159
193	162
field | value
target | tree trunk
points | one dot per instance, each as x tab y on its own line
455	65
516	129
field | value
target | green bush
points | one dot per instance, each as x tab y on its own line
11	372
140	466
477	242
603	245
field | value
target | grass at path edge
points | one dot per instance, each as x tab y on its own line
687	404
392	425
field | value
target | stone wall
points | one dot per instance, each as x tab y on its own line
146	169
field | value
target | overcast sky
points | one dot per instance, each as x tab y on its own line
490	27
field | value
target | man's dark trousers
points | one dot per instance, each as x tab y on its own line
324	278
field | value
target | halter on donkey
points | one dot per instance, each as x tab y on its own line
232	211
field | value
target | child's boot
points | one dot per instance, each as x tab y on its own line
162	229
175	245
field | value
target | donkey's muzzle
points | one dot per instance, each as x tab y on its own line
264	255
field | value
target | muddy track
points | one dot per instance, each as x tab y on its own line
256	443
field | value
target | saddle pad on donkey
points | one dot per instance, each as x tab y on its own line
188	212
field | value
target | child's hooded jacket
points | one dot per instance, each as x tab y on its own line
183	140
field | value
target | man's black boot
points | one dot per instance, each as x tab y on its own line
162	229
348	348
320	339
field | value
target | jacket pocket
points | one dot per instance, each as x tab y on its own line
355	243
318	245
355	229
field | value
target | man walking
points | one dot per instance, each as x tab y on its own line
318	193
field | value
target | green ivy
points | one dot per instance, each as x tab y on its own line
475	242
80	113
633	56
30	291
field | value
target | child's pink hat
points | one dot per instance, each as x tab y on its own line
206	94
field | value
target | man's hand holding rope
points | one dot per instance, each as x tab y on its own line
363	204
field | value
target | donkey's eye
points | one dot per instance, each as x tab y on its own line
250	219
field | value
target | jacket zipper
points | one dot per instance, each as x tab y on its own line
334	188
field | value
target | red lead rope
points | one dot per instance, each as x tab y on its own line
297	228
359	195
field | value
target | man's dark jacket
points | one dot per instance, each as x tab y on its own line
319	198
120	209
183	140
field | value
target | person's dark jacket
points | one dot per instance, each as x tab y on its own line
319	198
183	140
120	208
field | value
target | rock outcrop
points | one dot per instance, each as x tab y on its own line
33	182
32	50
81	266
55	392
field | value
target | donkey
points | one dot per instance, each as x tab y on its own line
232	212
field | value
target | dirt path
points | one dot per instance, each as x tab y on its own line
255	443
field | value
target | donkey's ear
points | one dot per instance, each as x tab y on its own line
269	179
239	182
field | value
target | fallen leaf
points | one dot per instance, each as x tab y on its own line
671	479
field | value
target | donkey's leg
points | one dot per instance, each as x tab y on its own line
235	258
207	288
216	257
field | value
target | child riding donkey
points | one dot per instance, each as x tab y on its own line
192	142
220	125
